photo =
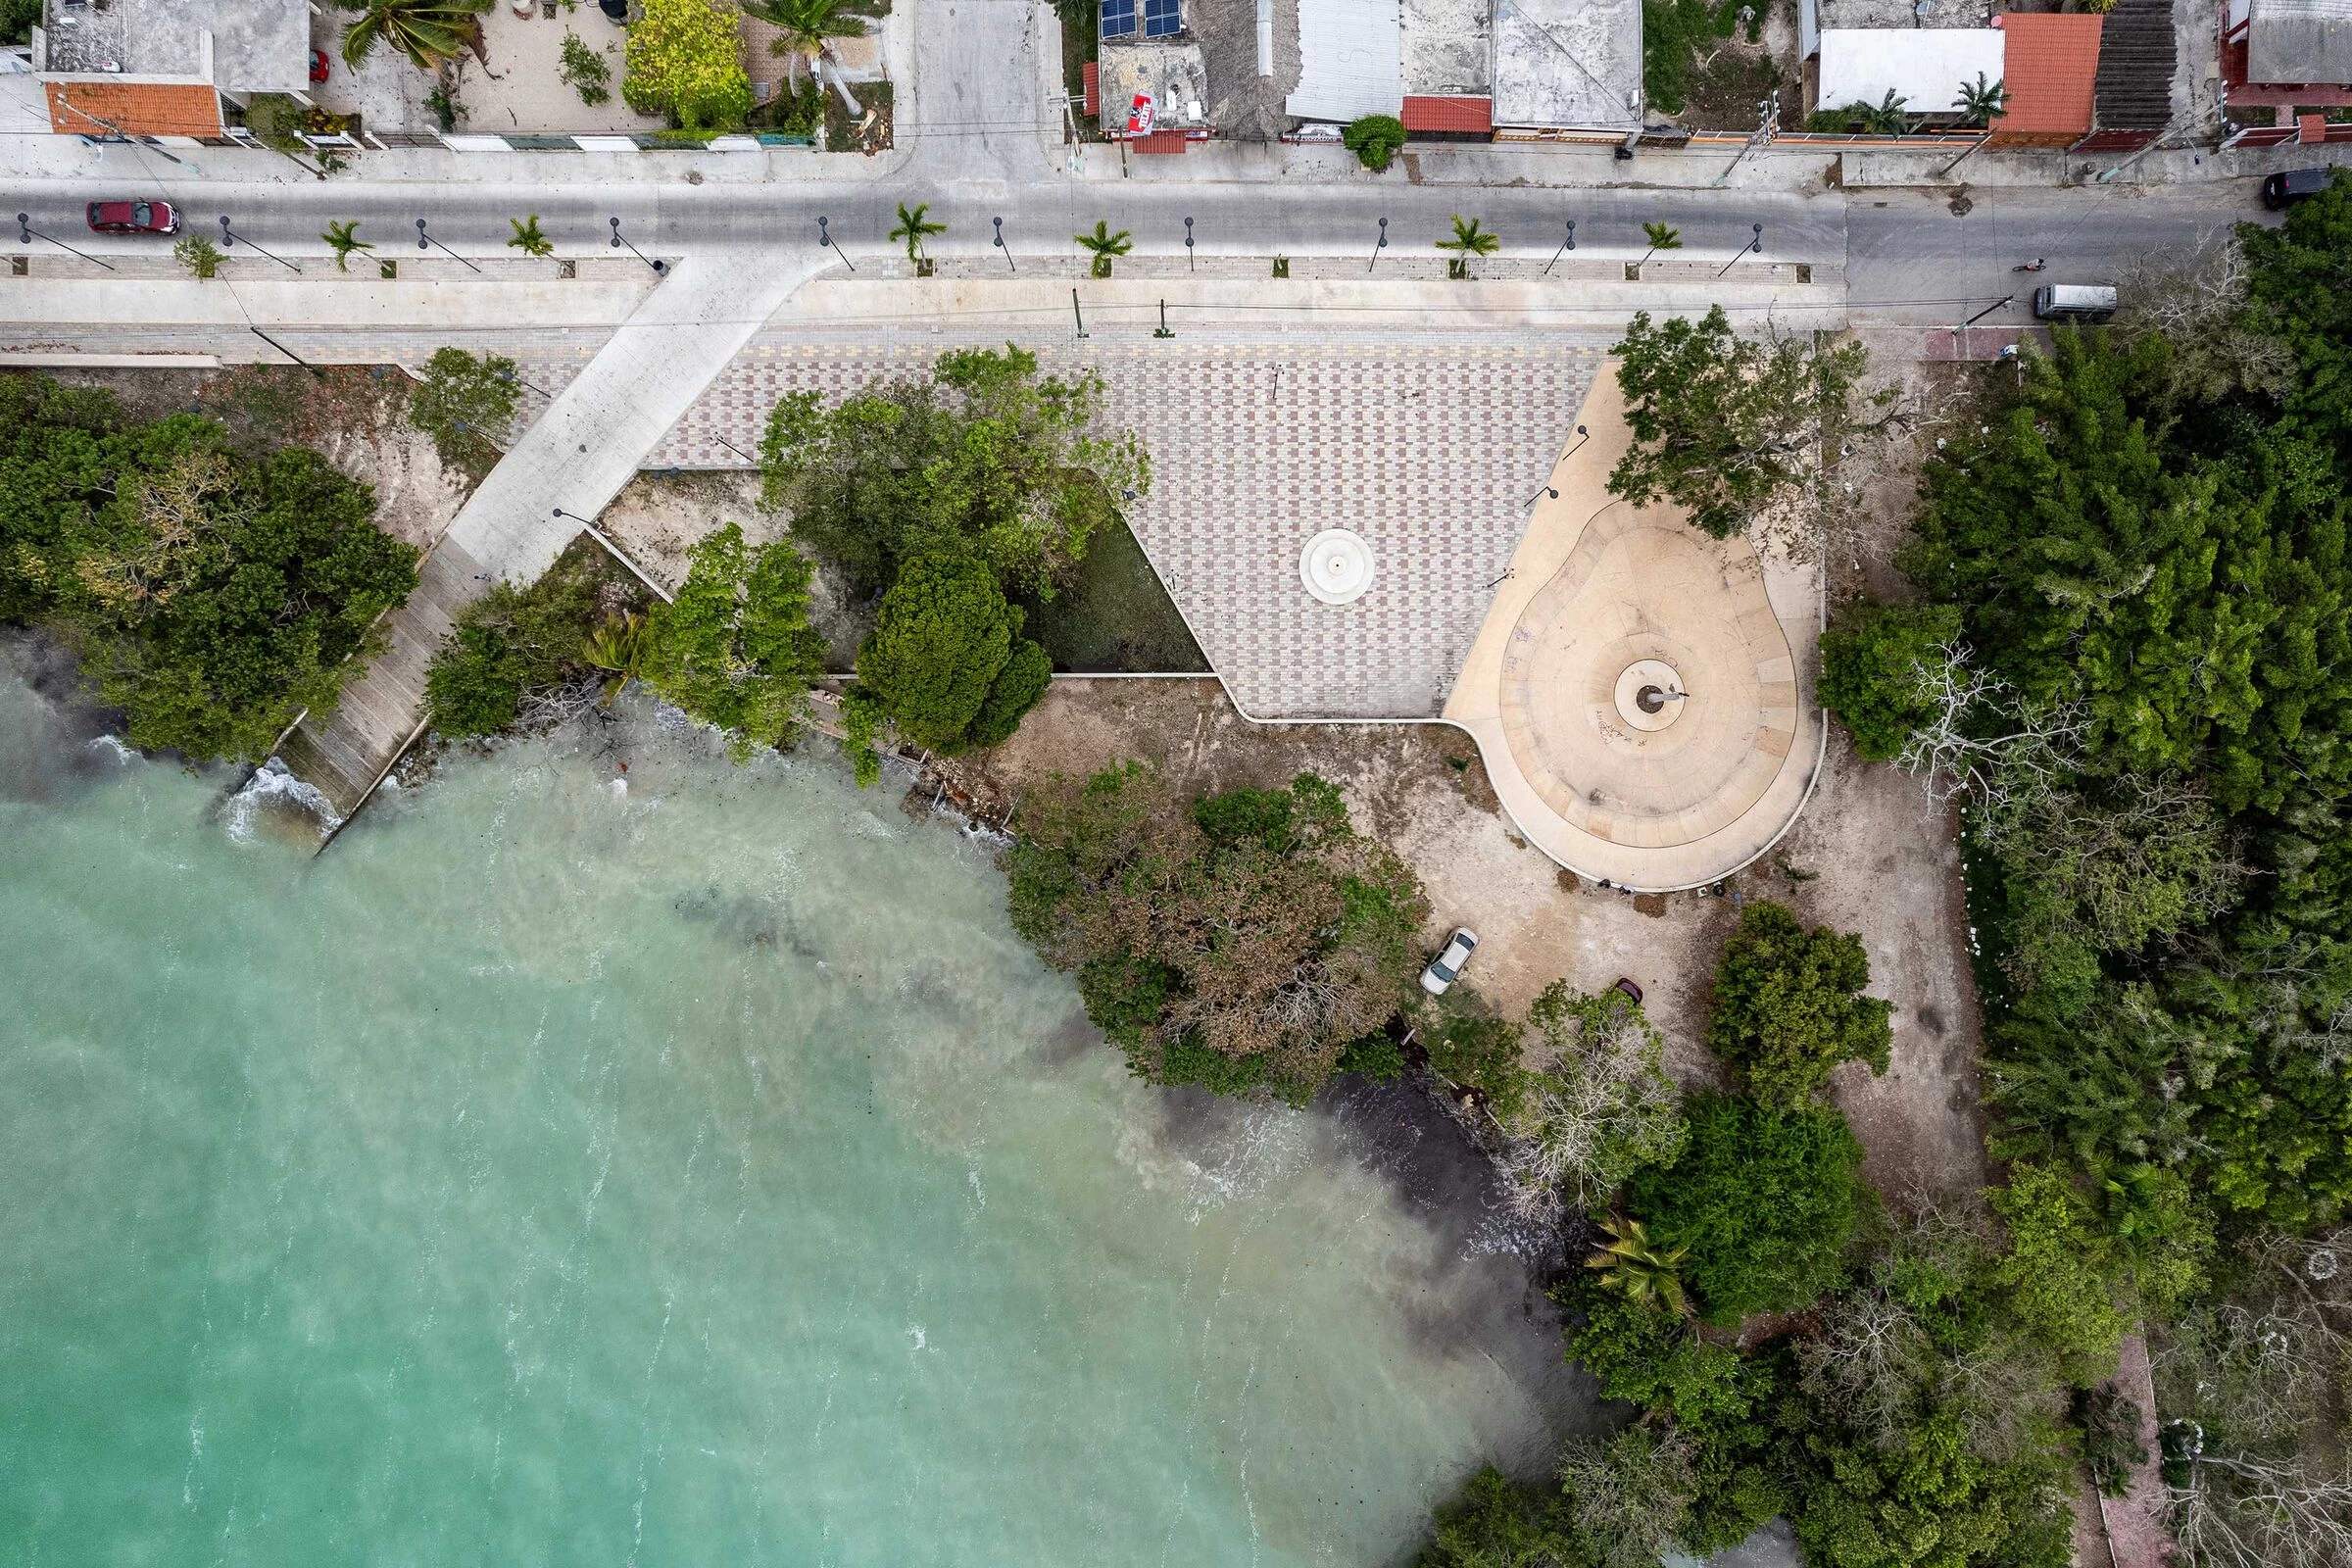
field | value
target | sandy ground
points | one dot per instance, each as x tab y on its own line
1876	864
657	518
522	90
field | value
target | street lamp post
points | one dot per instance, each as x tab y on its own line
228	239
1754	245
1380	244
26	234
619	240
1001	245
1546	493
1583	435
287	352
425	241
824	237
1566	246
510	375
1187	246
738	451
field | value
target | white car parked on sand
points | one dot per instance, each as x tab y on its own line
1446	967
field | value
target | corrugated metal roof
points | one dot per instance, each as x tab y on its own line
1924	67
2050	65
1352	60
2299	41
1457	114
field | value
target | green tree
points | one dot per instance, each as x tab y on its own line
199	255
585	70
983	458
514	643
1592	1105
1661	237
1763	1201
915	226
1375	139
1631	1262
2060	1271
466	404
1498	1523
619	645
1930	1502
1731	428
944	636
1467	240
683	60
1874	660
427	32
528	237
344	238
735	649
1257	927
1981	101
1789	1008
1104	246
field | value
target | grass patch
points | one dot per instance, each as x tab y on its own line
1673	34
1113	615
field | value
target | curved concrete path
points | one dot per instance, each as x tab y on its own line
1642	694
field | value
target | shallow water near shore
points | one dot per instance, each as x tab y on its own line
690	1167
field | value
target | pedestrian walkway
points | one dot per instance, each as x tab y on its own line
591	442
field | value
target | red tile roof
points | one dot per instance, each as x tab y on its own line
2051	64
1092	75
1449	114
1158	142
134	108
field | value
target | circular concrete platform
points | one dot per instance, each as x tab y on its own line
1336	567
1648	694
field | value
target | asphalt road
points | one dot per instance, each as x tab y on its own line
981	143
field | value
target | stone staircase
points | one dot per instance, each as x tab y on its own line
345	753
2136	52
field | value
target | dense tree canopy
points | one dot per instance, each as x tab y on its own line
684	60
1873	658
736	649
212	595
1788	1006
1237	939
984	458
946	661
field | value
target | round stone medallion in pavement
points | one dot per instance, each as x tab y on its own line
1336	567
1649	693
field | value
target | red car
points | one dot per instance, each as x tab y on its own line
318	64
134	218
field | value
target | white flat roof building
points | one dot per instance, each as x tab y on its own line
1568	63
1924	67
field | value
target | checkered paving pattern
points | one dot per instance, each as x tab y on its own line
1432	449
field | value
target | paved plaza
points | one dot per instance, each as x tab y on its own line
1428	446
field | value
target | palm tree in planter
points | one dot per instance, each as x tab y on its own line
1106	246
1468	240
1980	103
1630	1262
1661	237
427	32
343	239
915	226
808	28
527	238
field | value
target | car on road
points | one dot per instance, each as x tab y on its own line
134	218
2075	302
1446	967
2291	185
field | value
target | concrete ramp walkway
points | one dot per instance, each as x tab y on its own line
589	444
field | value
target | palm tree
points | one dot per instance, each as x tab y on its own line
427	32
527	238
1980	103
914	228
1887	117
807	27
1631	1262
1468	240
1106	245
343	239
618	646
1661	237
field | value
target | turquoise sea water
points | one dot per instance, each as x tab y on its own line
690	1169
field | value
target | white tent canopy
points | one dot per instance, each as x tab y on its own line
1925	68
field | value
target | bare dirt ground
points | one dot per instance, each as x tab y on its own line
1866	856
658	520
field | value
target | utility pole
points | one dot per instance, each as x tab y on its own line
1768	116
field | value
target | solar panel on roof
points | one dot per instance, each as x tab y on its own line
1162	18
1118	17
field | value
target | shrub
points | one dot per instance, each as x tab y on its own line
1017	688
466	404
1375	139
1765	1200
199	255
1498	1523
1872	663
1788	1006
586	71
683	60
512	642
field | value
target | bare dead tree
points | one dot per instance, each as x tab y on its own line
2244	1511
2034	750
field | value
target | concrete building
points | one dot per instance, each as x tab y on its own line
162	68
1568	69
2051	64
1925	69
2277	54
